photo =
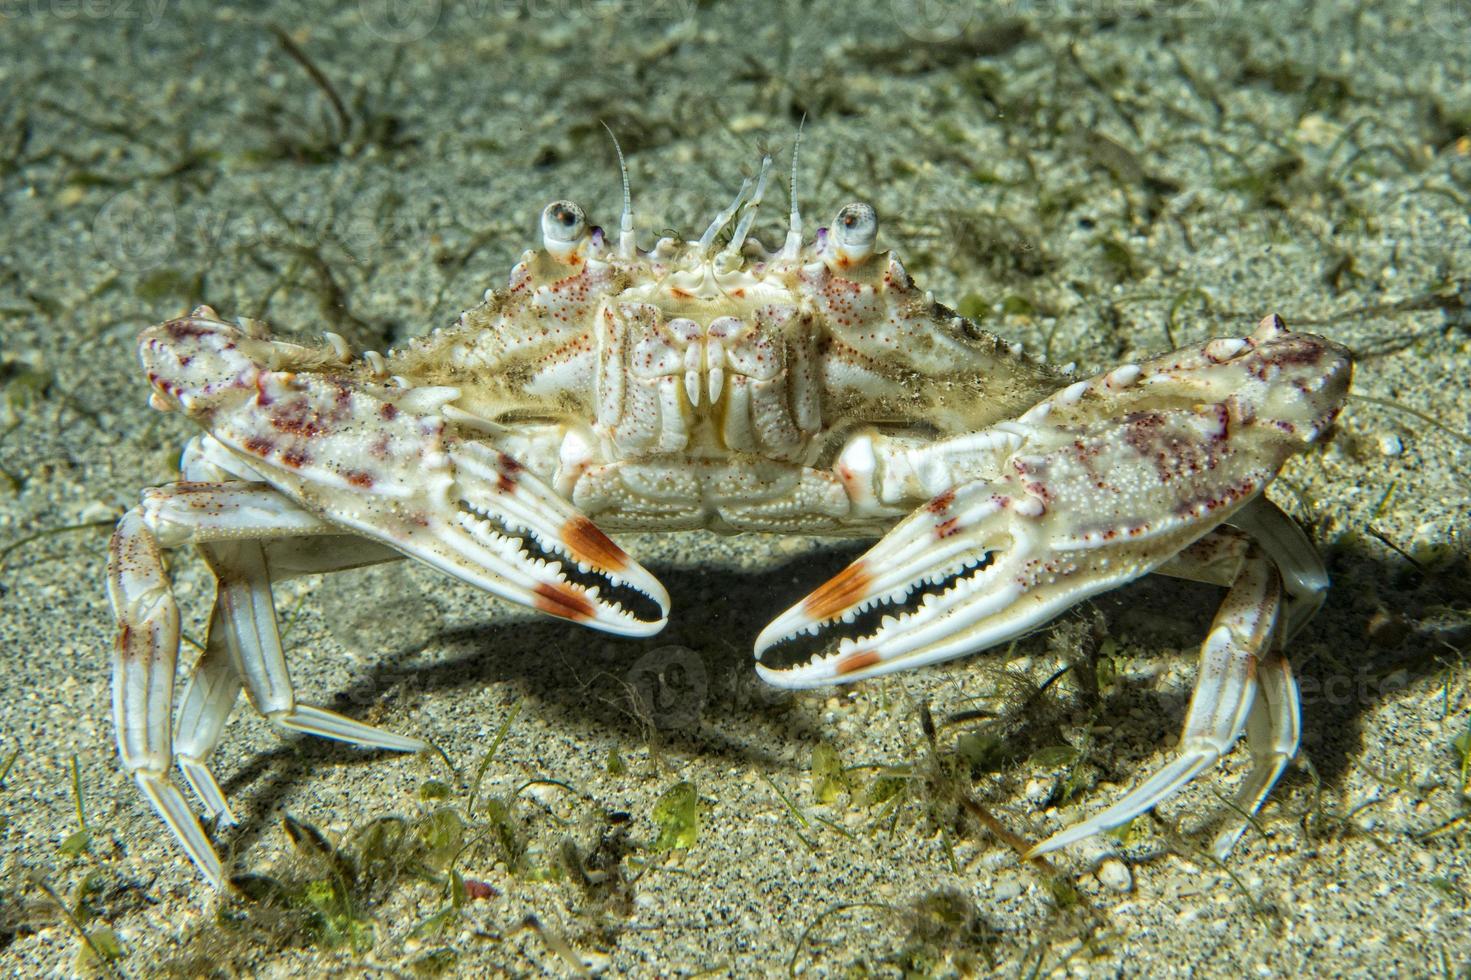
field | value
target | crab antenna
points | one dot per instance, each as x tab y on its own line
627	247
792	247
723	218
749	217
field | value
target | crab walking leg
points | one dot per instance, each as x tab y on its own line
1225	689
228	522
1301	567
1274	727
244	648
145	654
1273	730
209	697
232	524
248	616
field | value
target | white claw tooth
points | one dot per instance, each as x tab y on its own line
1037	412
1225	348
339	346
1073	393
1122	377
376	363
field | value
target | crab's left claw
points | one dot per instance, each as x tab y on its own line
1094	487
975	567
991	559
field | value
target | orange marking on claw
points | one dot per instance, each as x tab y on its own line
857	661
588	543
562	602
835	595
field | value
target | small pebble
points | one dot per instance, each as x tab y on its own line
1390	444
1424	860
1115	875
1006	889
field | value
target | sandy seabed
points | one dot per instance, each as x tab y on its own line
1097	180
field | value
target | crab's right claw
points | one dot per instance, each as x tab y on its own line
1095	486
503	505
384	462
972	569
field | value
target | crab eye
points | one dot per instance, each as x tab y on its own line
563	227
855	229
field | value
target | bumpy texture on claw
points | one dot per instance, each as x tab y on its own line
1095	486
460	506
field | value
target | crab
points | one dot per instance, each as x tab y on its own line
813	389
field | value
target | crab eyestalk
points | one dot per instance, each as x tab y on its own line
853	236
564	230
